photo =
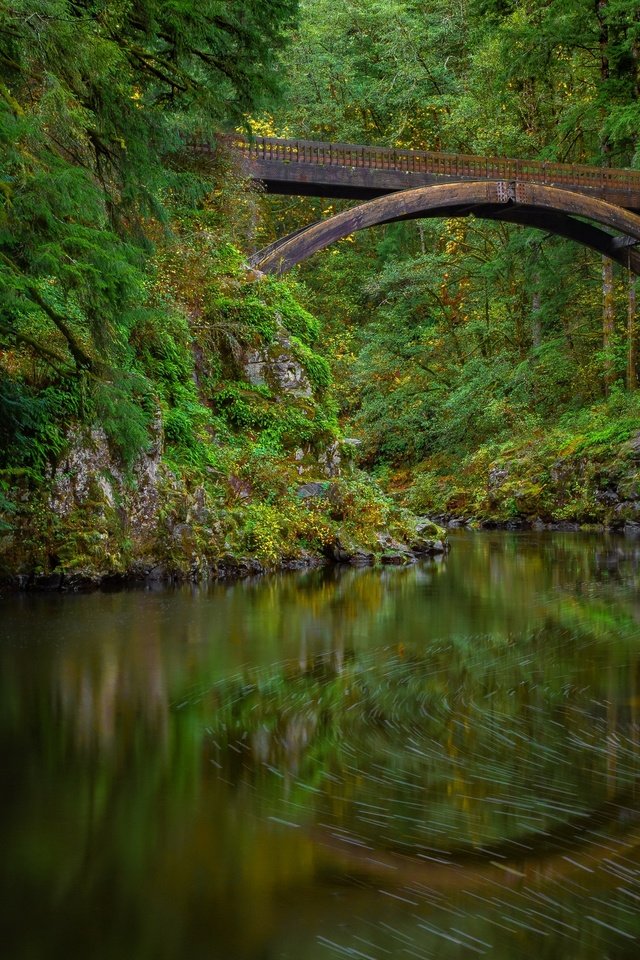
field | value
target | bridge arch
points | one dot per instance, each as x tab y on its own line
559	211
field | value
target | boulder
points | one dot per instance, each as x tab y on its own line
423	546
354	554
397	559
429	539
427	528
48	581
233	567
361	558
310	490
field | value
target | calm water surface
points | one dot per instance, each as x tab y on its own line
439	761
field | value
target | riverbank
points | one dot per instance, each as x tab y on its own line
579	473
92	524
228	568
223	569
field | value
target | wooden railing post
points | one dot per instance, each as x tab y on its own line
601	180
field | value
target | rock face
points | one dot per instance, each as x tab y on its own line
95	522
104	526
394	553
89	475
275	366
330	459
311	490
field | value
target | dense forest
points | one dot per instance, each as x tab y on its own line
164	408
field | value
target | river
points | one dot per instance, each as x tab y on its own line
435	761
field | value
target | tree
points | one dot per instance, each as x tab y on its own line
96	101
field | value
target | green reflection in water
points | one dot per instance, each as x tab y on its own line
438	761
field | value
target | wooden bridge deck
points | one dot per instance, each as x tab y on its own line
344	170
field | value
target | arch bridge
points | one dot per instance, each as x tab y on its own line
598	207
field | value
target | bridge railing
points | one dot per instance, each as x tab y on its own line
421	161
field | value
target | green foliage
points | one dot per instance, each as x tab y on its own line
164	354
32	426
316	366
7	507
283	296
265	323
555	474
364	510
122	407
246	405
288	529
275	426
246	320
96	102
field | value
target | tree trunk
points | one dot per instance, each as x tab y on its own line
603	42
608	306
632	335
536	320
608	321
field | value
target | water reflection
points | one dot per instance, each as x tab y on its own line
434	761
